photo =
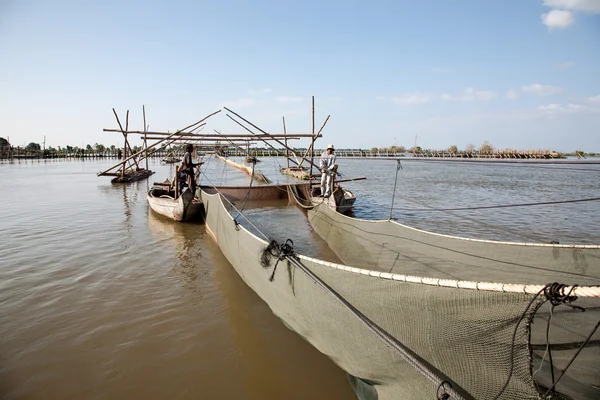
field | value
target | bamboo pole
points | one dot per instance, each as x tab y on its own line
124	132
273	136
160	141
145	139
311	146
256	136
287	152
234	145
313	140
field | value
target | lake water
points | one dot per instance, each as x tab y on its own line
102	299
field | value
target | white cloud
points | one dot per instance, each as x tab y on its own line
594	99
564	65
512	94
411	98
288	99
570	108
557	19
590	6
541	90
470	94
239	103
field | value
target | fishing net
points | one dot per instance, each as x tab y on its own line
438	336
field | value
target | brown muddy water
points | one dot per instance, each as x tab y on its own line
102	299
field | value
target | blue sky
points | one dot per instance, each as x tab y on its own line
518	73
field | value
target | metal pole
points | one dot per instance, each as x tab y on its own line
398	168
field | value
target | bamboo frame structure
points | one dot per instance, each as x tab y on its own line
145	151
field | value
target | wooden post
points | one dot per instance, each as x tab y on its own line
267	143
124	132
313	139
311	146
245	120
160	141
145	138
124	149
287	150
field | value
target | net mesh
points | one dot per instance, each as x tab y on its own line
482	343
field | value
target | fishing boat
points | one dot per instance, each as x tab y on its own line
342	200
417	315
170	160
253	193
164	201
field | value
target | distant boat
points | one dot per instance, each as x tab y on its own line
129	176
170	160
162	200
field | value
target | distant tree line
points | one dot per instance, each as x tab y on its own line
99	149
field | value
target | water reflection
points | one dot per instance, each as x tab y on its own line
187	240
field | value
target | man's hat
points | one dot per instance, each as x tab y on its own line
330	146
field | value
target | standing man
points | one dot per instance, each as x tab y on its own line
327	165
188	166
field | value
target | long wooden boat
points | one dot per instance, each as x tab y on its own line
256	192
186	207
413	326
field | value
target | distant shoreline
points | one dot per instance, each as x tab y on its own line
588	161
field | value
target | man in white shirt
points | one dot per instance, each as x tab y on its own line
327	165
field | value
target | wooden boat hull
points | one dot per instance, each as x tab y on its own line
132	176
342	199
258	192
184	208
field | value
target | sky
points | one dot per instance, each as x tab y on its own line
521	74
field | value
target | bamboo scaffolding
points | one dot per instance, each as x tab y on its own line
268	136
126	145
159	142
312	141
145	129
310	148
287	151
214	138
252	134
275	137
234	145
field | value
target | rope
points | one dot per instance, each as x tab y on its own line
475	221
247	194
513	164
293	190
281	252
555	294
573	358
501	205
398	168
222	196
377	242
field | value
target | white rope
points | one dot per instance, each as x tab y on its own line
579	291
